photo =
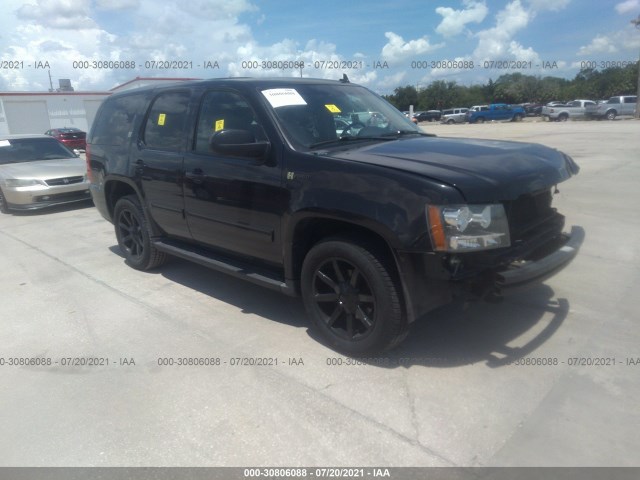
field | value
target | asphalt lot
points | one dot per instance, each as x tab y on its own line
449	396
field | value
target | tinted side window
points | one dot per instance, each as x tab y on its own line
114	123
223	110
166	124
614	100
630	99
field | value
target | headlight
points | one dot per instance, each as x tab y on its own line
20	182
456	228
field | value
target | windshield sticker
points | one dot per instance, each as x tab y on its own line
219	125
333	109
161	119
283	97
5	143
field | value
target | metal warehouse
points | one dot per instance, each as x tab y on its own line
37	112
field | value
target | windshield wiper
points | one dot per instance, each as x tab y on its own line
346	139
404	133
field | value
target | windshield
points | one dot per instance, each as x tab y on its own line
20	150
313	115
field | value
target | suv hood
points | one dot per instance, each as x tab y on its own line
482	170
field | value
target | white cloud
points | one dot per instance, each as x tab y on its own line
600	44
628	6
496	43
523	54
626	39
58	14
217	9
397	49
117	4
454	21
390	82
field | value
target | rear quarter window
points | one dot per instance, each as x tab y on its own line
115	120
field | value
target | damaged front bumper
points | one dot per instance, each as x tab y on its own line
523	273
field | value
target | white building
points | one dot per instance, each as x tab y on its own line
37	112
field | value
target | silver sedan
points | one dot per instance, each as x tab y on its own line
37	171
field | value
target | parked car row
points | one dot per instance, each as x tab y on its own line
620	105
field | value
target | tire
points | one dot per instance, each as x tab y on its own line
450	122
517	117
4	208
480	120
134	235
352	297
611	115
563	117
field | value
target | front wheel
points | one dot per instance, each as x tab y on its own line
351	295
4	208
133	234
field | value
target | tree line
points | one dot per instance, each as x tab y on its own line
517	88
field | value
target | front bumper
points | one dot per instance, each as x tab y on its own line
522	274
27	198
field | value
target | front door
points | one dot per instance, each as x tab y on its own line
233	203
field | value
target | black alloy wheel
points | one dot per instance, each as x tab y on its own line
132	232
352	297
345	299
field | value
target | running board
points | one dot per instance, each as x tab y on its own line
225	264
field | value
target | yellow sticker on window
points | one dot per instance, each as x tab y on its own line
332	108
161	119
219	125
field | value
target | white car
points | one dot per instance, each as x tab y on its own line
38	171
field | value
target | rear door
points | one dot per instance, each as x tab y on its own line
629	106
159	159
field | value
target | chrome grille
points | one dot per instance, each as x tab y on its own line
54	182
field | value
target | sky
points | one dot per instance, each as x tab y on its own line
99	44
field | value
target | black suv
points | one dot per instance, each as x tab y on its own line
323	189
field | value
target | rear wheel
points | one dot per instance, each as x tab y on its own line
4	208
480	120
611	115
134	235
352	296
563	117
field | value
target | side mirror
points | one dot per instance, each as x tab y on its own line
238	143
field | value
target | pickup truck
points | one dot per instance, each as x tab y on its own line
497	111
373	225
562	113
614	107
